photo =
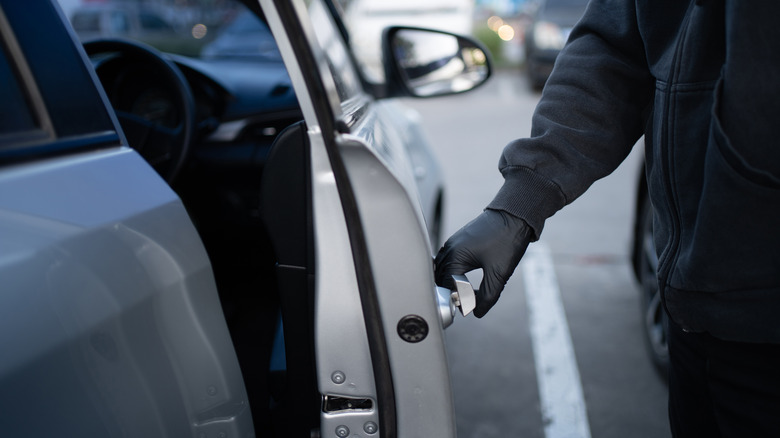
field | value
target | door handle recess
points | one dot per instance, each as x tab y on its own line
462	299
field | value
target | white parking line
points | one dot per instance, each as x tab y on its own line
560	391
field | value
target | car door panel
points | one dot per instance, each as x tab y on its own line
109	292
373	259
398	250
345	361
110	323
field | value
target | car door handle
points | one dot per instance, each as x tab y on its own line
462	299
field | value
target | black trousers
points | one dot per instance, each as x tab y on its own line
720	388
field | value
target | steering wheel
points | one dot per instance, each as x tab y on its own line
151	99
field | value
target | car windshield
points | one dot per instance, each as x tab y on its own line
205	29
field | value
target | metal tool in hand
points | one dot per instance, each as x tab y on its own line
463	296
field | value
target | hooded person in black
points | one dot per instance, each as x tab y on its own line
701	80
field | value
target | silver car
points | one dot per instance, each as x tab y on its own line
220	248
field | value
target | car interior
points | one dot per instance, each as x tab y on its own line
253	212
248	195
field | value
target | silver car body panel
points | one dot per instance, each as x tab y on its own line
400	259
109	307
399	253
425	166
340	331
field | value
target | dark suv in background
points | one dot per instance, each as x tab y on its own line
547	35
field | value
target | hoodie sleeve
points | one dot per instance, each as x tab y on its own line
592	111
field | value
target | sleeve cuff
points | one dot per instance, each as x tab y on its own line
528	196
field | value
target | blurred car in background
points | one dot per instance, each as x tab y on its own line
545	37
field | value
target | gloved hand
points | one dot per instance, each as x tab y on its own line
494	241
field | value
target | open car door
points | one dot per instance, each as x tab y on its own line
381	364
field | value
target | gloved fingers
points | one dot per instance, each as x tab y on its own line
449	261
495	242
488	293
464	250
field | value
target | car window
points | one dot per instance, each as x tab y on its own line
47	110
153	22
119	22
86	21
16	116
344	72
198	29
243	36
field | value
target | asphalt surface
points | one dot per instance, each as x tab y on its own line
497	380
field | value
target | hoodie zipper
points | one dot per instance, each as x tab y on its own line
669	258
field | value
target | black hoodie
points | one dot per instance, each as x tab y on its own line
701	80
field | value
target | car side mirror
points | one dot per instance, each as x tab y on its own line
426	63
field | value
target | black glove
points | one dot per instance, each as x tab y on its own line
494	241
